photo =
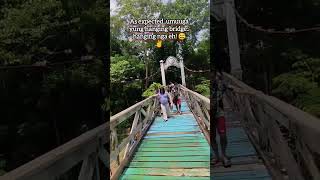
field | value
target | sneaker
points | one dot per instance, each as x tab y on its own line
215	161
226	162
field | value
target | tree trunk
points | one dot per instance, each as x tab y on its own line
265	79
147	75
270	73
56	130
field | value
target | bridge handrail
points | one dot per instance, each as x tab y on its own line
88	148
121	116
200	106
269	121
199	96
121	152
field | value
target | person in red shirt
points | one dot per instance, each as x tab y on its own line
177	99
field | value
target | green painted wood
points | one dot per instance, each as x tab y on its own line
157	149
205	164
185	142
159	125
142	177
173	153
175	149
172	172
172	136
174	129
173	145
243	160
249	174
175	158
200	138
178	150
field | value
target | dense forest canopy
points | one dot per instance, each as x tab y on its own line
134	70
280	64
51	74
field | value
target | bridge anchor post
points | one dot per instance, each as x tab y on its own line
163	75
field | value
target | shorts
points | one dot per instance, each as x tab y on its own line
177	101
221	125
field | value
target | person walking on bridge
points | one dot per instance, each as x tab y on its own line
220	124
177	99
165	102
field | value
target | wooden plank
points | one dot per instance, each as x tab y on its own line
87	167
174	128
200	158
173	145
238	168
170	164
157	149
178	130
240	160
123	115
143	177
171	126
126	160
172	133
200	138
243	178
199	172
133	130
173	153
150	136
177	141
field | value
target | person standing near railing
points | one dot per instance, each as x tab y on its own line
220	123
165	102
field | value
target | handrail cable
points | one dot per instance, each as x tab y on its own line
47	64
196	71
271	31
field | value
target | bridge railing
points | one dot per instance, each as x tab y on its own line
286	137
142	115
86	154
200	106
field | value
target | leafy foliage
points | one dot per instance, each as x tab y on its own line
152	89
43	107
130	74
284	65
300	87
203	88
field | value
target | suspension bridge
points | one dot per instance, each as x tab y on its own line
267	138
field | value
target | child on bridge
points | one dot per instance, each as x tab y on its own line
177	99
219	123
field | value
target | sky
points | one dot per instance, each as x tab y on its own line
113	6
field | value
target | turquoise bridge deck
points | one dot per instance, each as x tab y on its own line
177	149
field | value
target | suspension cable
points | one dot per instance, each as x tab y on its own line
196	71
152	75
271	31
47	65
